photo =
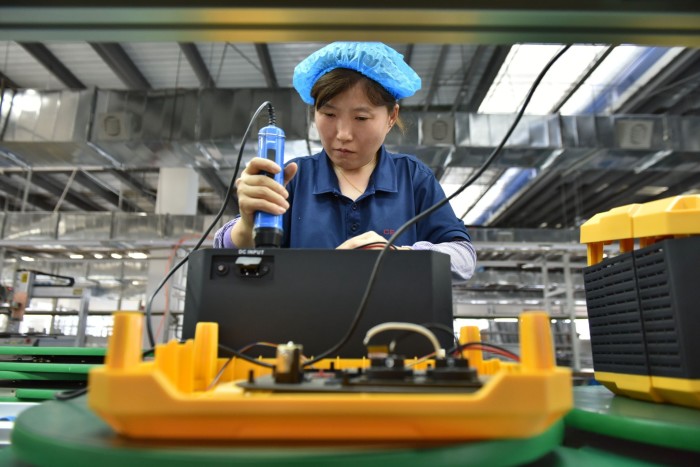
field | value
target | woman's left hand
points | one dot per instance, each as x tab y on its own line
369	239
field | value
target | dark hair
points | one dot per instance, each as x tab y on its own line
340	80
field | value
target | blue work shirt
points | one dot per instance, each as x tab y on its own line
400	187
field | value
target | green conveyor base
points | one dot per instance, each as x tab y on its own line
646	430
67	433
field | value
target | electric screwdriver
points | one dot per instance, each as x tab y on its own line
267	228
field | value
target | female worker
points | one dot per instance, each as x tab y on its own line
354	192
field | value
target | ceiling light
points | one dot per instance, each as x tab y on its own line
598	88
652	190
649	74
28	101
137	255
27	258
115	255
652	160
512	180
75	256
521	67
98	255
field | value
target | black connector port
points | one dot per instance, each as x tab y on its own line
251	266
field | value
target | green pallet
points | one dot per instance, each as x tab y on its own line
67	433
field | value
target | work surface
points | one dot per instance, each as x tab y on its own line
639	433
68	434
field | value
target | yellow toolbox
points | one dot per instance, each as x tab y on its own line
643	303
183	394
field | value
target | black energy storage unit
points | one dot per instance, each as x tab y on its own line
644	302
311	297
644	310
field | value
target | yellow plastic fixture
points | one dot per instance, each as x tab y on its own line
175	396
604	228
668	217
650	222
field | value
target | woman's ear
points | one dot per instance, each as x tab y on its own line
394	116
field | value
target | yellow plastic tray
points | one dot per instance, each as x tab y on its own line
171	398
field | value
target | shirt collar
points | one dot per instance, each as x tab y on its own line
383	177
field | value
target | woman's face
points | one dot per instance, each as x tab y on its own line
352	129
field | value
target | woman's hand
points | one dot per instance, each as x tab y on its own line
258	192
368	240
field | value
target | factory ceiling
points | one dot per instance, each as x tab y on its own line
88	118
97	97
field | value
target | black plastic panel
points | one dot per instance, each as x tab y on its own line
644	310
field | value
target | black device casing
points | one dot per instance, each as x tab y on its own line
311	296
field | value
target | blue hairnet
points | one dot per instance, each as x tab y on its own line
373	59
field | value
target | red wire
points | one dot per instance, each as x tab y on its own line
493	350
166	291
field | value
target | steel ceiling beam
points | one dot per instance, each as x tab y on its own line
117	59
692	181
468	77
409	54
562	203
491	183
582	79
266	63
12	191
622	190
203	208
97	187
44	56
495	61
7	204
134	184
200	69
55	187
654	96
6	82
590	191
211	176
517	213
437	74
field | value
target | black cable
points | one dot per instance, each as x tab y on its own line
68	395
218	375
489	160
229	191
246	357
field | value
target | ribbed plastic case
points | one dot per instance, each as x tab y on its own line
643	310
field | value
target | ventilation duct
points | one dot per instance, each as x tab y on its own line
204	128
117	126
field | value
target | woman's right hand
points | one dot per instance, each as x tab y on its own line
258	192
